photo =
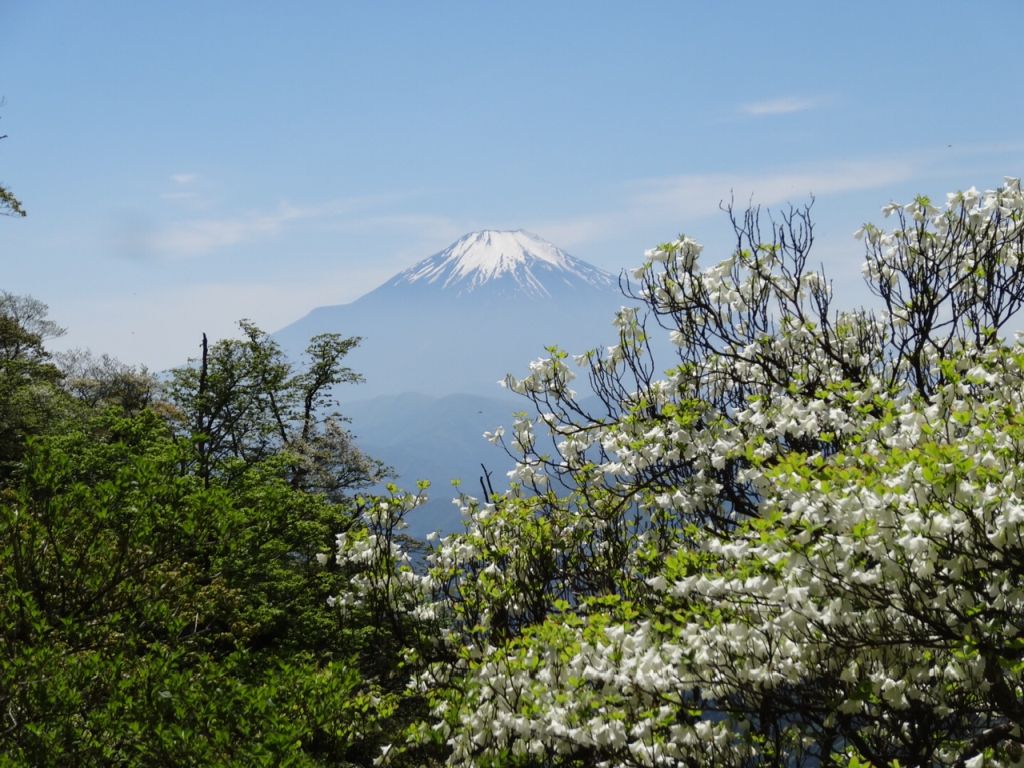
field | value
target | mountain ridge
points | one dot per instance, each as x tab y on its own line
509	296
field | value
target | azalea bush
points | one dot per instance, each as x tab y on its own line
800	544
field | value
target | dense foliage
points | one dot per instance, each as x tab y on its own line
163	599
801	545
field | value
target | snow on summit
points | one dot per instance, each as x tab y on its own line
513	262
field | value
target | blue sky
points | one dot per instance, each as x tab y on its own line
188	164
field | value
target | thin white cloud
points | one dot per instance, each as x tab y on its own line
198	236
425	225
701	194
646	204
654	204
185	192
579	230
784	106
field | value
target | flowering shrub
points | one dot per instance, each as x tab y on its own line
802	545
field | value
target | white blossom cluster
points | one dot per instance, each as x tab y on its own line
880	584
803	545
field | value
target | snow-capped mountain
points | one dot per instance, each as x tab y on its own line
514	263
439	336
462	319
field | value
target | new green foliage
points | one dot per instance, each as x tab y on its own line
801	545
159	615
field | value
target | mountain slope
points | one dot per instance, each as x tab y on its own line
439	336
437	439
462	319
518	264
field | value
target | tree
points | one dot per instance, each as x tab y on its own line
9	204
242	402
24	328
163	594
151	619
802	545
101	380
30	399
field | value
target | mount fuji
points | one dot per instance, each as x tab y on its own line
437	339
460	320
512	264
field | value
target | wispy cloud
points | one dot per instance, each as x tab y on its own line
782	106
199	236
184	190
701	194
360	215
652	204
578	230
429	226
656	203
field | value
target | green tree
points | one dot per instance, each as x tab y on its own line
154	619
31	401
159	610
243	402
98	381
9	204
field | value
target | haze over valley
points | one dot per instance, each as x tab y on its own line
440	336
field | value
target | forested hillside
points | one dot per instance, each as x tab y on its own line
798	542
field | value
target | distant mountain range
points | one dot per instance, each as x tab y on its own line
437	339
437	439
